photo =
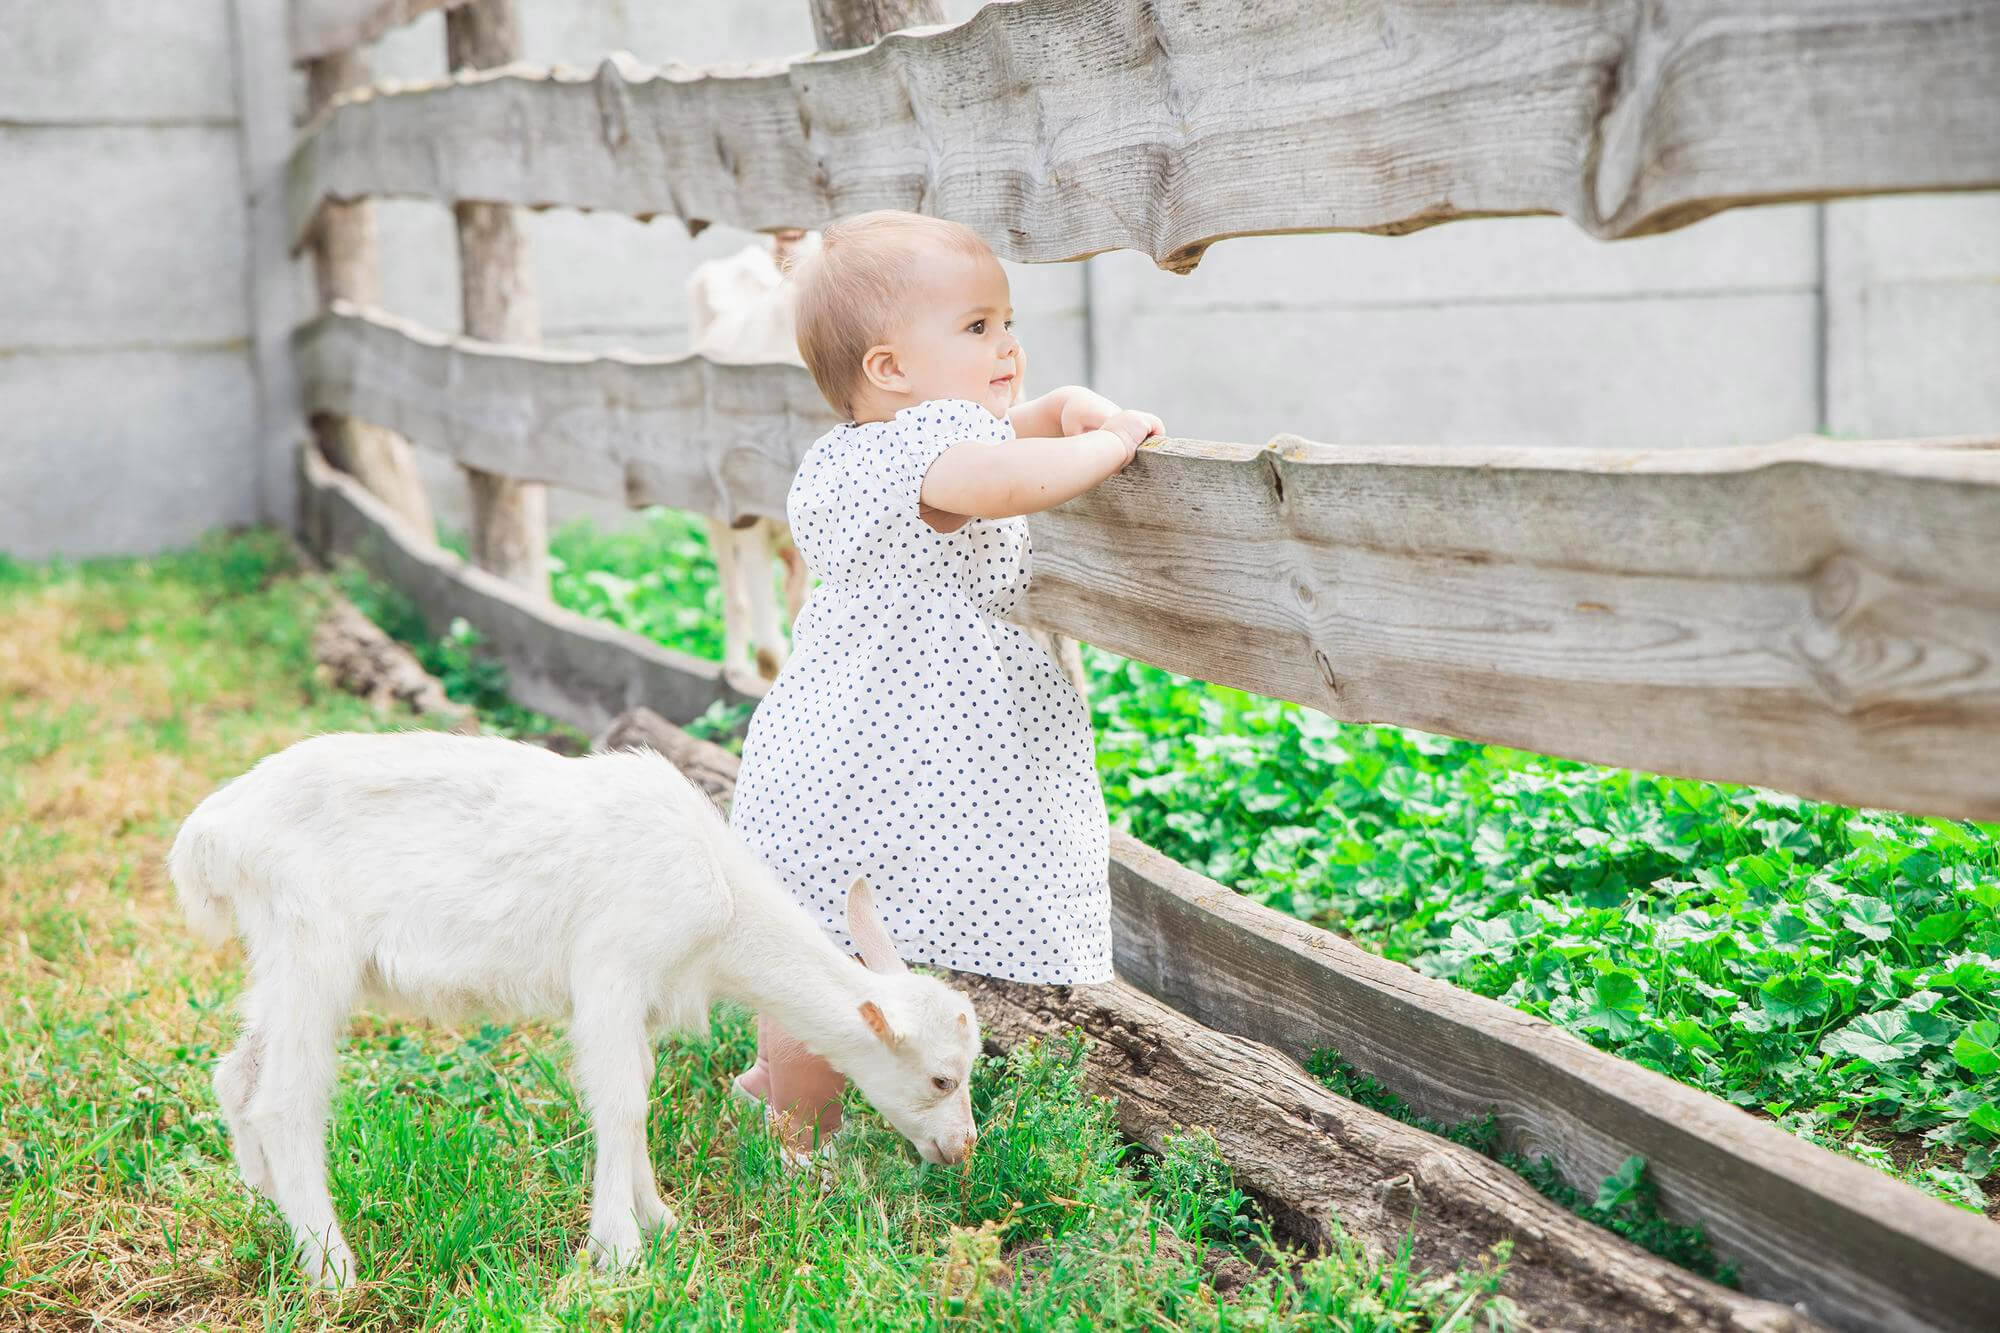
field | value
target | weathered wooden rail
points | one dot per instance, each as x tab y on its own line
1818	616
1813	615
1058	129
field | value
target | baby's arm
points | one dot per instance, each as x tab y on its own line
981	479
1070	410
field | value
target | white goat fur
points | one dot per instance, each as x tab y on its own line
441	875
739	312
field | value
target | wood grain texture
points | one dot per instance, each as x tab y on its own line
841	24
356	655
510	516
579	670
1060	128
683	431
324	27
1855	1248
1818	616
1814	615
1316	1161
711	767
346	267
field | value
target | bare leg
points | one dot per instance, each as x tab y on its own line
287	1114
804	1089
614	1066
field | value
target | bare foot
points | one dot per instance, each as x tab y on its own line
754	1082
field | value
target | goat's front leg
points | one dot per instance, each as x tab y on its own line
614	1067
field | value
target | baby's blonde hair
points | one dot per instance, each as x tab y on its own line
853	293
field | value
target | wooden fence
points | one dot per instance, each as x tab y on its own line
1813	615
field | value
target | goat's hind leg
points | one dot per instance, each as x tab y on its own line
235	1081
299	1018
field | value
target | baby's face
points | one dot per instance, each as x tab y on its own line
959	340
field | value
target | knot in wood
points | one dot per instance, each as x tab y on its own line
1398	1193
1836	585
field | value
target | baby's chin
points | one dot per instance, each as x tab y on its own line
996	399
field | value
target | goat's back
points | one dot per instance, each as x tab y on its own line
456	872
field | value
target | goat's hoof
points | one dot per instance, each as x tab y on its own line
616	1252
331	1269
655	1217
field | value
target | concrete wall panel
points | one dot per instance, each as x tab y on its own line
1913	315
71	61
121	236
111	453
1639	373
1500	259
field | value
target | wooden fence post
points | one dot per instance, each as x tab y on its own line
510	519
840	25
345	268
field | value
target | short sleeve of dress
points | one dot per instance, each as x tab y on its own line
919	434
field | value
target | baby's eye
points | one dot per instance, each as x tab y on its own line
1010	326
977	326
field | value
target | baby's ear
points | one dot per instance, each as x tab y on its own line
880	368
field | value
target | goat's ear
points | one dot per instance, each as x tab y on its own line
871	937
872	1015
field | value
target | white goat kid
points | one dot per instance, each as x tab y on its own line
441	875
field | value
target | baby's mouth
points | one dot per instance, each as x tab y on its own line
1002	381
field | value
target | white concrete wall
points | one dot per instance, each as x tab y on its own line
127	400
127	408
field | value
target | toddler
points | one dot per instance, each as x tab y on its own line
913	738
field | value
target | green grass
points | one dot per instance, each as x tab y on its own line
459	1157
1837	970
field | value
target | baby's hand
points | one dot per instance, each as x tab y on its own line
1132	427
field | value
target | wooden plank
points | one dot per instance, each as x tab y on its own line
684	431
1314	1161
323	27
1060	128
568	666
1820	616
1853	1247
1817	616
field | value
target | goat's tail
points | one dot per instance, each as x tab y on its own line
201	868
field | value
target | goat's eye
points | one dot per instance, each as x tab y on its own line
943	1084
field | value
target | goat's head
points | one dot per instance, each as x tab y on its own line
926	1035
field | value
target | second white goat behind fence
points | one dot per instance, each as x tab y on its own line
445	875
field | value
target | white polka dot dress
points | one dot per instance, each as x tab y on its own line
913	738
